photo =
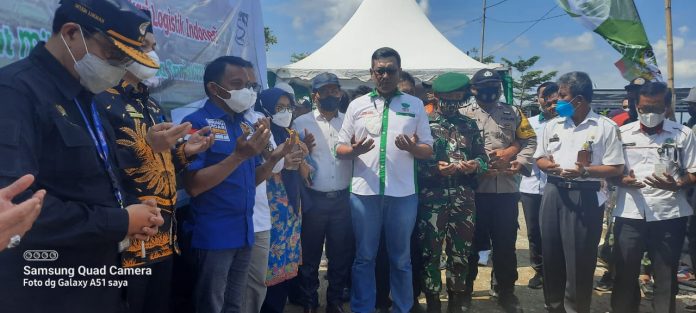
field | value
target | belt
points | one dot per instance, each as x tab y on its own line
573	184
328	195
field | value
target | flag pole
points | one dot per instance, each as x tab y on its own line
670	51
483	30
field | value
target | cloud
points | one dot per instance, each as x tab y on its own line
523	42
425	6
684	60
683	29
583	42
297	22
451	28
324	17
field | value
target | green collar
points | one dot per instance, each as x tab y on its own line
374	93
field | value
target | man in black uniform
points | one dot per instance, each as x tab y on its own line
51	129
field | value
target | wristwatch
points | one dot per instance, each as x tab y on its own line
585	173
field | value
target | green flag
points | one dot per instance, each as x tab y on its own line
617	21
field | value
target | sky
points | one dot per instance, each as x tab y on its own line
563	44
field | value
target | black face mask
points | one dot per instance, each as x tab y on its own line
449	107
329	103
488	94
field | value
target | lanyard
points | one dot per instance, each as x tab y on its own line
102	147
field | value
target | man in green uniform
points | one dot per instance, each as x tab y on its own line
447	183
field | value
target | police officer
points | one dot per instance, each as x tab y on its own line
52	130
510	143
652	207
577	150
446	202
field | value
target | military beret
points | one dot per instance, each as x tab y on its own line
449	82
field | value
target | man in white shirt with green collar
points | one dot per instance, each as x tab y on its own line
384	132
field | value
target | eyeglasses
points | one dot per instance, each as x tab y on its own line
114	56
253	86
656	108
288	109
384	70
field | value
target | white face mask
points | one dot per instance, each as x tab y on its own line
282	119
239	100
96	74
651	120
143	72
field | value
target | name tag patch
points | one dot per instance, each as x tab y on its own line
218	129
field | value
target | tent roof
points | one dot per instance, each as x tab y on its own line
399	24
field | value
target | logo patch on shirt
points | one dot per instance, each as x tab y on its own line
405	107
554	138
218	129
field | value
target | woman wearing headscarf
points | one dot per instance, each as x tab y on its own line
284	192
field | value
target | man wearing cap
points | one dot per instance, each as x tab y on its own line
446	198
510	142
52	129
577	150
328	218
149	173
383	133
632	90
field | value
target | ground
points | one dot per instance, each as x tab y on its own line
532	300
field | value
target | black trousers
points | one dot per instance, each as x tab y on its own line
151	293
531	204
663	241
571	225
691	235
330	220
496	220
276	298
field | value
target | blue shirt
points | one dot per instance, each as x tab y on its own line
222	216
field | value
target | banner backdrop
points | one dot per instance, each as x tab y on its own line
189	35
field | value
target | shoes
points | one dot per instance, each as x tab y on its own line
492	293
690	308
646	286
510	303
536	282
459	303
606	283
433	302
334	308
310	310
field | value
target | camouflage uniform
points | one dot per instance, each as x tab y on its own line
446	203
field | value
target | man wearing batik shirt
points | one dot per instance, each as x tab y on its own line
148	166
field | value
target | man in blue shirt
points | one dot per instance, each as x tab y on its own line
222	183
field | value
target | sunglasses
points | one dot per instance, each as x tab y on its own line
385	70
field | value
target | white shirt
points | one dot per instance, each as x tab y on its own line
332	174
262	211
386	169
642	156
562	140
535	183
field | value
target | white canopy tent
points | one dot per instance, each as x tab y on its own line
399	24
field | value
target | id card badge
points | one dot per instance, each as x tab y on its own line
123	245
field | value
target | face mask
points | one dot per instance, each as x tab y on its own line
96	74
449	107
651	120
282	119
143	72
152	82
488	94
329	103
239	100
565	108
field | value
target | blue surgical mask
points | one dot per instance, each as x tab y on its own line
565	108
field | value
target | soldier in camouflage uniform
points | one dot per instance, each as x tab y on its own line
447	182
